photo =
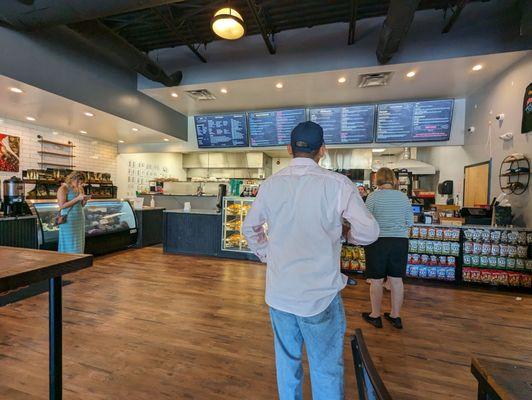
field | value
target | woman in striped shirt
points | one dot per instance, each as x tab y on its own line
387	257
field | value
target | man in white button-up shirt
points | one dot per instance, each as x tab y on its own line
295	226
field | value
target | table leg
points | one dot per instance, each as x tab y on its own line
56	347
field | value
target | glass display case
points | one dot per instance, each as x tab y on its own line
109	225
235	210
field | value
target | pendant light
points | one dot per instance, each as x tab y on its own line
228	24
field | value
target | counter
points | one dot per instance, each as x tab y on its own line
177	202
198	232
149	225
19	231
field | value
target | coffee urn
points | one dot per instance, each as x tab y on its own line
14	204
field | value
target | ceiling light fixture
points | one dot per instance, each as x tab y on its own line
30	118
16	90
411	74
88	114
55	133
135	129
279	85
174	94
83	132
477	67
228	24
223	90
166	140
342	79
378	150
120	141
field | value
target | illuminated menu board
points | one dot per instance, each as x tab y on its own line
229	130
273	128
416	121
345	124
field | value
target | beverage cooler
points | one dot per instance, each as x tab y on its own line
110	225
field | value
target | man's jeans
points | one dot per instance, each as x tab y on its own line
323	335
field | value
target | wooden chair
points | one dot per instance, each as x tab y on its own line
370	384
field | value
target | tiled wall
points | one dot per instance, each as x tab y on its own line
90	155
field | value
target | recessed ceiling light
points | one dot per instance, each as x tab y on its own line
135	129
342	79
120	141
83	132
30	118
16	90
378	150
411	74
223	90
166	140
279	85
55	133
88	114
174	94
477	67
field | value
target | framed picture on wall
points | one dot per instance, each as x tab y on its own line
9	153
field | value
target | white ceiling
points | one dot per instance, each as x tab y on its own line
56	112
443	78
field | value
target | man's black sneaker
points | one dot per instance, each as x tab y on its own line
376	322
396	322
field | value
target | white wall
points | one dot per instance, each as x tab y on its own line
172	163
503	95
90	155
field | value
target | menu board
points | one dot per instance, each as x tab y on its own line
417	121
228	130
345	124
273	128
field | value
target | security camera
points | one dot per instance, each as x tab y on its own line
499	117
506	136
471	129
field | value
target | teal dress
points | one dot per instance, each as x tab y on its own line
72	233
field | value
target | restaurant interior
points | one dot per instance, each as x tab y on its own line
176	112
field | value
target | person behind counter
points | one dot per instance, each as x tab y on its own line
303	206
71	198
387	257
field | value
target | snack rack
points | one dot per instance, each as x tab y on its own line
497	256
234	211
434	252
353	259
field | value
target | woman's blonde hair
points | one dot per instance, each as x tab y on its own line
74	176
385	176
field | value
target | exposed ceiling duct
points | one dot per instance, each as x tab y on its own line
113	46
395	27
46	13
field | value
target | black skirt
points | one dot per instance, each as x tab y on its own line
386	257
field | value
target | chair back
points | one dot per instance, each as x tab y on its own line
370	384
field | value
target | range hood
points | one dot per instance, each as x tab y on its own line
406	162
225	160
336	159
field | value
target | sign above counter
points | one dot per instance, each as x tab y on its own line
398	122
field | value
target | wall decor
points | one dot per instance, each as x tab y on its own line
9	153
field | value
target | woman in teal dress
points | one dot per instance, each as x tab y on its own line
71	198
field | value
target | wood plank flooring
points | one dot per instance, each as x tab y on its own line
143	325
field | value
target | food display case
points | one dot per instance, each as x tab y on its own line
110	225
235	210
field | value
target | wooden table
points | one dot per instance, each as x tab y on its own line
499	380
22	267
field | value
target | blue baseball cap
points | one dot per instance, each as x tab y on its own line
306	137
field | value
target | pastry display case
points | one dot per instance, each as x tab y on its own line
110	225
235	210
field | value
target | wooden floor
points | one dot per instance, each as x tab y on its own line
143	325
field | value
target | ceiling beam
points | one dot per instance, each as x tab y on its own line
395	27
262	26
454	16
352	21
178	35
